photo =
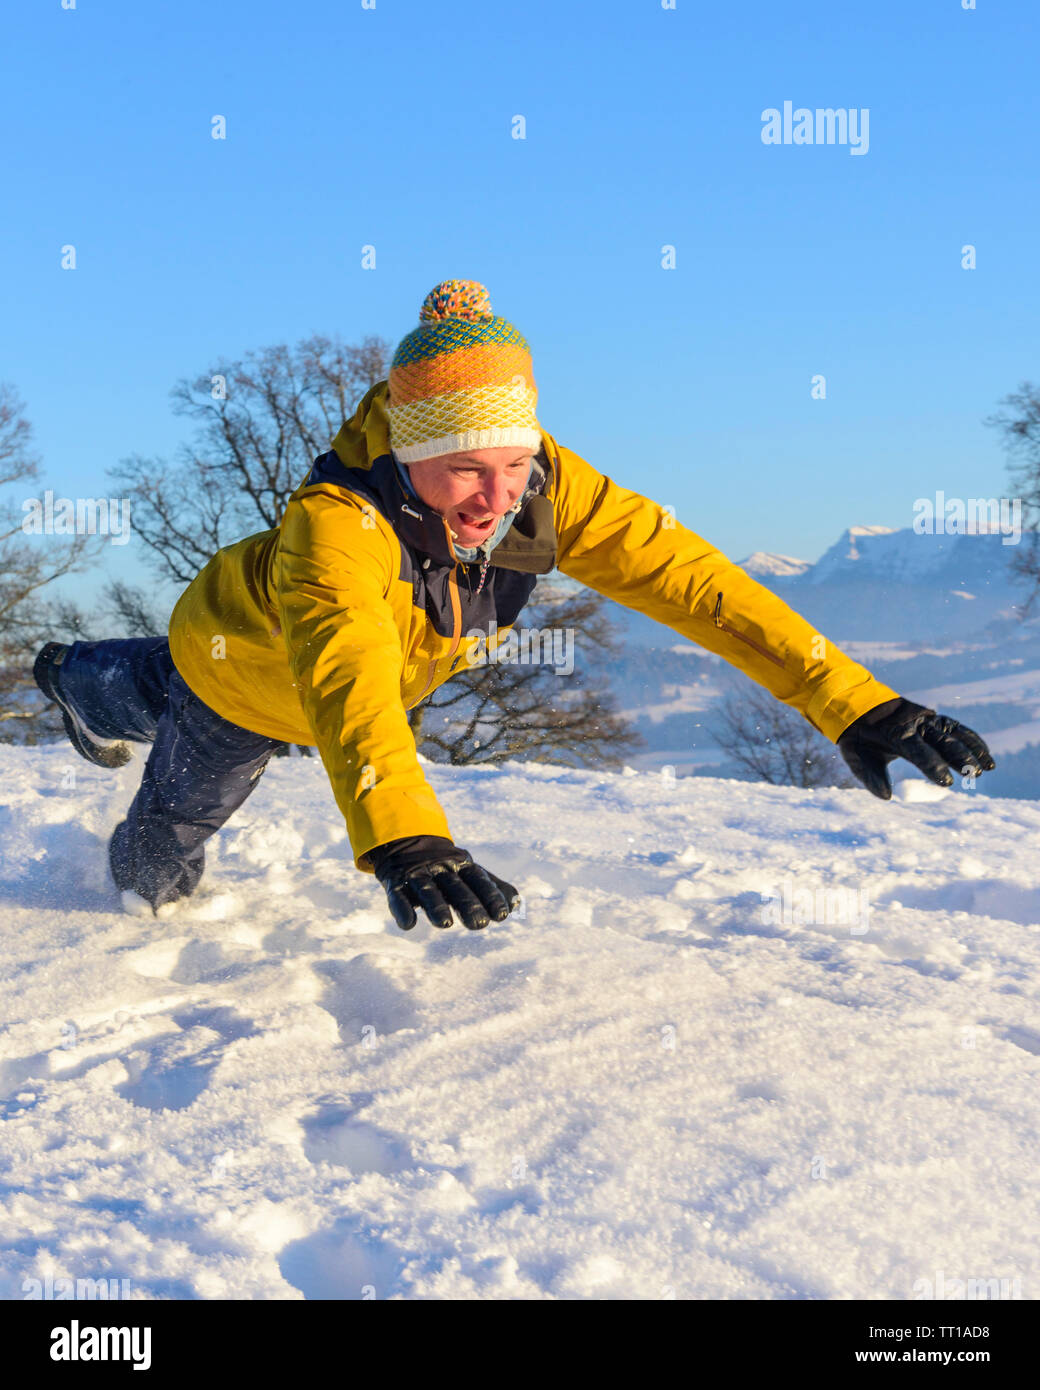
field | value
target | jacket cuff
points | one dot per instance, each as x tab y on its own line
382	815
841	698
421	848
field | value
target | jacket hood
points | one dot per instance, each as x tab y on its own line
362	446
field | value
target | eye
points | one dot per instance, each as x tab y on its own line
462	468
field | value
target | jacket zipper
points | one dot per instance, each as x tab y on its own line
456	611
456	616
717	619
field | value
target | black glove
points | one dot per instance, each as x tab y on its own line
431	872
901	729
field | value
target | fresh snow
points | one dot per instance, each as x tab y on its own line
640	1088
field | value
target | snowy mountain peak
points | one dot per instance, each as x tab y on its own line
765	562
849	546
891	555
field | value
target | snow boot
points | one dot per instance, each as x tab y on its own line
102	751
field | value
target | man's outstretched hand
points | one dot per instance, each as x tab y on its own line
900	729
431	872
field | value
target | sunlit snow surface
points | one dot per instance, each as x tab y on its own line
641	1088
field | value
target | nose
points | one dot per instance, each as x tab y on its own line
498	494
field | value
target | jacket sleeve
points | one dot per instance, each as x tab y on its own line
632	550
333	571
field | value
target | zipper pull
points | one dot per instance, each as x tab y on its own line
716	616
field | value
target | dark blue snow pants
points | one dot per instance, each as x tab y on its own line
200	769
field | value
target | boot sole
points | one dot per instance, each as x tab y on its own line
102	754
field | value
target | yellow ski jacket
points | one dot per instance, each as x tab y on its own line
328	628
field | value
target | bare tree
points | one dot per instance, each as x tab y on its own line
125	608
774	743
27	566
133	611
1019	422
524	710
261	422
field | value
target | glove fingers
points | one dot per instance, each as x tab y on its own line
931	742
945	731
925	757
871	767
430	899
511	894
401	907
467	904
498	896
953	750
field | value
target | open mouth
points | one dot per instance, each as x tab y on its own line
476	523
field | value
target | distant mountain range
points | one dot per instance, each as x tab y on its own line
876	584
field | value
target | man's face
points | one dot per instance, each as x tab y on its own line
473	485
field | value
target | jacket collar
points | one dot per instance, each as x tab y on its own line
363	446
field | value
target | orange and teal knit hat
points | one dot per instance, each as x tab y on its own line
461	380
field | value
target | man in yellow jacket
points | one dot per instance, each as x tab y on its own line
429	520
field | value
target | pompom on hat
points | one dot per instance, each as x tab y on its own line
461	380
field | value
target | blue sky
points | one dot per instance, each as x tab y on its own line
392	127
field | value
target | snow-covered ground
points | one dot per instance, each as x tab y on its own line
654	1083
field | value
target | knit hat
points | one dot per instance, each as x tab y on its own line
461	380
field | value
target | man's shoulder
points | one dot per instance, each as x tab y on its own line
370	484
337	506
